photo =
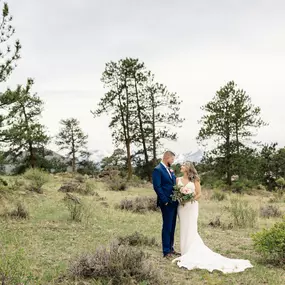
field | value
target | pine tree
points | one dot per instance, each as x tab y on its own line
72	138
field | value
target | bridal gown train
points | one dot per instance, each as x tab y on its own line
194	253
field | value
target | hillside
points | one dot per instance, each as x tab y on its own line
41	248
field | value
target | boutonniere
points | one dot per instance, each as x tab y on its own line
171	170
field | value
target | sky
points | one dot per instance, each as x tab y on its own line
193	47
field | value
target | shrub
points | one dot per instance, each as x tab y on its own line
37	179
269	211
117	265
242	213
215	223
105	204
280	183
69	187
3	181
137	182
139	204
261	187
18	183
20	212
117	184
270	243
241	186
76	187
89	188
137	239
220	184
218	195
79	178
74	206
277	197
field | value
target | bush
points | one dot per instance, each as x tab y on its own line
137	239
261	187
79	178
215	223
241	186
137	182
218	195
89	188
37	179
76	187
20	212
242	213
220	184
280	183
270	211
278	197
3	181
117	184
117	265
139	204
74	206
270	243
18	183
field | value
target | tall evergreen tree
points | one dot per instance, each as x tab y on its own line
229	120
8	55
118	101
23	131
142	112
72	138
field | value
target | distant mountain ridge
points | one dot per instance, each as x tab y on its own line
196	156
190	156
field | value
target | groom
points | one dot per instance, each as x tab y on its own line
163	182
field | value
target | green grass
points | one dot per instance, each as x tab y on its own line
48	241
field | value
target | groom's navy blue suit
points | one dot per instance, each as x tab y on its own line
163	185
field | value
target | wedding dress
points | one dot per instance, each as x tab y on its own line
194	253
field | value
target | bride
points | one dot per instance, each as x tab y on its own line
194	253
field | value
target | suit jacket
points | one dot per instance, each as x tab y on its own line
163	184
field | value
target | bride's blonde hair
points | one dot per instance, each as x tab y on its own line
191	171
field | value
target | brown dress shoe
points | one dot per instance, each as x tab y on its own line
168	256
176	253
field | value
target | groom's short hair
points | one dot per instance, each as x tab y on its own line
168	153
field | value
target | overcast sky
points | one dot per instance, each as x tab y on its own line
193	47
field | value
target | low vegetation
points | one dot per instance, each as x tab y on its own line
270	243
37	179
62	237
139	205
242	213
117	264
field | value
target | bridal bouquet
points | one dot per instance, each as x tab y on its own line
183	194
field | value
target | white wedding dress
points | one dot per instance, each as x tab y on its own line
194	253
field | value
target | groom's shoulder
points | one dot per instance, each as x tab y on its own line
157	167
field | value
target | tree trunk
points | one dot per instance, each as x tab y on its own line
129	162
130	170
125	124
153	132
228	161
32	155
73	152
31	150
142	132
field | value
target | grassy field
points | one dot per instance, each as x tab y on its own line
42	247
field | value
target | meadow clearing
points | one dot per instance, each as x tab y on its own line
41	248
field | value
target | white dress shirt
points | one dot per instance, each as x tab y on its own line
166	169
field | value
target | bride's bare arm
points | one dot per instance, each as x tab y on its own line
197	190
